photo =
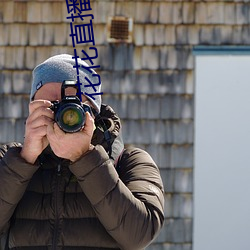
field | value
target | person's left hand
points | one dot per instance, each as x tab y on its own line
71	146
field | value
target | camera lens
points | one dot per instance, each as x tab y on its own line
70	117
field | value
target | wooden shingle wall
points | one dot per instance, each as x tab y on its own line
150	82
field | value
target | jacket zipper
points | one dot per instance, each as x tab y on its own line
56	232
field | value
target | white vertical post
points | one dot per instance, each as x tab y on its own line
222	153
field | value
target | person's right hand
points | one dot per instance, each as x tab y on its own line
35	141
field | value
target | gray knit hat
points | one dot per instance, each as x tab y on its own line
59	68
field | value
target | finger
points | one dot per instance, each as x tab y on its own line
50	130
54	132
38	103
38	119
89	124
58	131
41	111
38	122
38	132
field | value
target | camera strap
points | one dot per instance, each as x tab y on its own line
106	133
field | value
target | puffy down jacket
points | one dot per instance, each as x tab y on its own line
94	203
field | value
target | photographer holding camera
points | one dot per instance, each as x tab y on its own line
72	184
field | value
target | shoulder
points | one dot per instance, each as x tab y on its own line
136	156
136	164
5	147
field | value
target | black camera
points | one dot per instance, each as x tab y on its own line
70	113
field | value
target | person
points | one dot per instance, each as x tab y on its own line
81	190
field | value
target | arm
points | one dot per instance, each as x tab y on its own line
16	162
15	174
130	207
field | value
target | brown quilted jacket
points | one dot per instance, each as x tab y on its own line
94	203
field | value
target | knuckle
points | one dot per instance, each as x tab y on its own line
45	119
28	122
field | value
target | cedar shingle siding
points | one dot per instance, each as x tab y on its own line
150	82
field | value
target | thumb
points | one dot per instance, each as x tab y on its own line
89	124
57	130
50	129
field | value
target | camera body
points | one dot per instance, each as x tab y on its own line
70	113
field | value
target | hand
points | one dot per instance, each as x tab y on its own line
71	146
35	141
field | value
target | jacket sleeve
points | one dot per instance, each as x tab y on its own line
129	205
15	174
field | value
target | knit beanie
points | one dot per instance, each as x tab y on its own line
59	68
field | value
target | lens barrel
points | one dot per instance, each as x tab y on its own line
70	117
